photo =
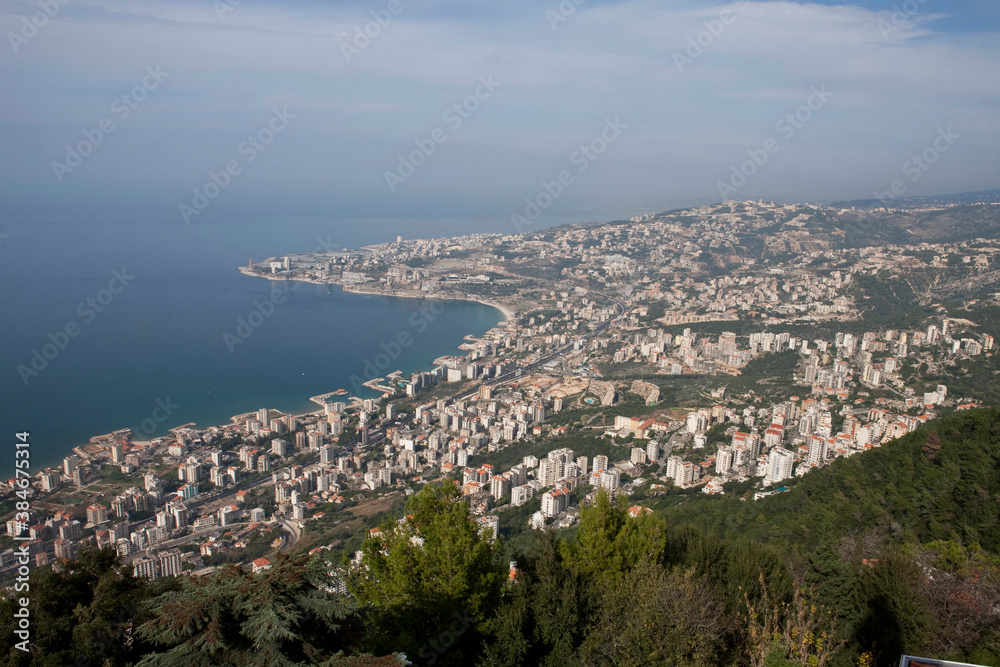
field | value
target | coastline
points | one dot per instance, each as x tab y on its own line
507	311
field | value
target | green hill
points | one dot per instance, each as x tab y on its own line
941	482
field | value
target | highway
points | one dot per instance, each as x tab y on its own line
513	375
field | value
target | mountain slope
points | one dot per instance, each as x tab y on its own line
940	482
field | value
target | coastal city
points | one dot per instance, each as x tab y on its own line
722	350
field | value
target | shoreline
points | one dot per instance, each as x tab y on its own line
507	312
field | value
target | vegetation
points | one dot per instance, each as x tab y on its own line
891	551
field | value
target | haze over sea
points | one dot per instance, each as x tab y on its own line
161	337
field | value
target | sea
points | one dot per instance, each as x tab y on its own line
150	325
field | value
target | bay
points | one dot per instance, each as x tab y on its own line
158	344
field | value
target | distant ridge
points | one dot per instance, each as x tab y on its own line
980	196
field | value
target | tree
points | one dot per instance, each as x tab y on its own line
656	617
430	581
286	615
609	542
540	619
777	634
895	617
83	612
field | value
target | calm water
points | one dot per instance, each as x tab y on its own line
160	338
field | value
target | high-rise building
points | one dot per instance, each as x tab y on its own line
70	463
724	460
145	566
170	564
779	464
611	480
65	550
554	501
499	486
550	470
817	450
50	480
97	514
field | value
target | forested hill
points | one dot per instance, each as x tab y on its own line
940	482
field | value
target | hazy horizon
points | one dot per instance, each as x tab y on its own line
811	101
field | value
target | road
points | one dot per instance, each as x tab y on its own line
290	534
513	375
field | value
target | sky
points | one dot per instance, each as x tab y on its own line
197	110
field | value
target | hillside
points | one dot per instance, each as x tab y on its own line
940	482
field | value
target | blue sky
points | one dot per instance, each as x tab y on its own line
894	77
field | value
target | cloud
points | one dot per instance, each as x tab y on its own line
895	79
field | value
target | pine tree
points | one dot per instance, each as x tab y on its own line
286	615
429	581
83	612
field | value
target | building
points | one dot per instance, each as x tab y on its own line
261	564
489	524
97	514
71	531
521	494
499	486
170	564
228	515
818	450
50	480
550	470
687	474
779	464
70	463
280	447
554	502
724	460
326	455
65	550
611	480
145	566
